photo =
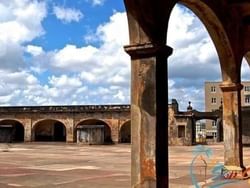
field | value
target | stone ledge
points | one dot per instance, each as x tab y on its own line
146	50
80	108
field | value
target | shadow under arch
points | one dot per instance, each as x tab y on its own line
11	131
125	132
49	130
218	35
101	127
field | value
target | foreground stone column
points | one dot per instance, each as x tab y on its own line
232	124
149	115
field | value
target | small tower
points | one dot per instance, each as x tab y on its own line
189	108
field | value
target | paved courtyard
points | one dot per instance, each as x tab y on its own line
54	165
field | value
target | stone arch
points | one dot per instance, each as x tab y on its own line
208	119
147	59
97	123
11	130
49	130
201	134
125	132
219	36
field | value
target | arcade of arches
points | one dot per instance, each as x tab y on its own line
103	124
148	25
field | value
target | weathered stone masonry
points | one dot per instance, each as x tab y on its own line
148	26
114	116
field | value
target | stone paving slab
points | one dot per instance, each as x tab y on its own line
54	165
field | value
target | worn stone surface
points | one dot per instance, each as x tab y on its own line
230	32
232	128
64	165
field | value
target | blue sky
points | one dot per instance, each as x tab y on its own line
70	52
91	16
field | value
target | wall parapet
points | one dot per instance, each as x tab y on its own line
69	108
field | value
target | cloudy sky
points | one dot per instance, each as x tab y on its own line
68	52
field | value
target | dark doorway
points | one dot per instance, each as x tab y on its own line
49	131
18	133
59	132
125	133
181	131
11	131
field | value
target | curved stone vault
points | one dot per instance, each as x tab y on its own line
228	23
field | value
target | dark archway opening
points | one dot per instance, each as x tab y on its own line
11	131
208	131
125	133
93	132
59	132
50	131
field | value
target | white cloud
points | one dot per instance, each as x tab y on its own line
90	74
34	50
20	22
194	59
185	94
13	84
67	15
73	58
25	17
96	75
120	95
11	56
64	82
100	75
96	2
97	69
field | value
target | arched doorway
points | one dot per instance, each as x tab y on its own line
11	131
93	131
125	133
207	131
49	130
245	99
